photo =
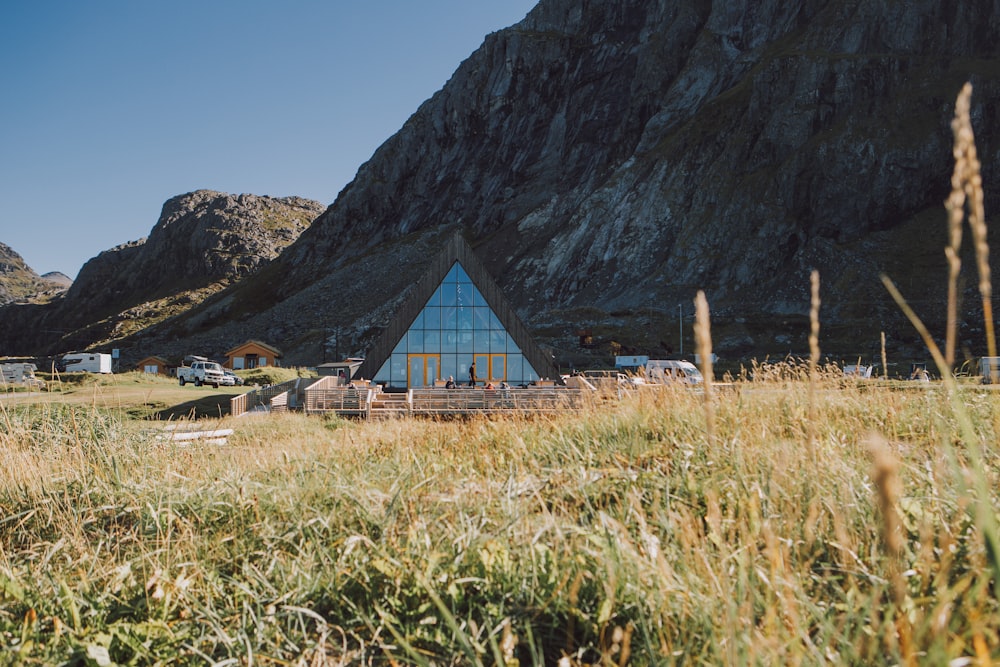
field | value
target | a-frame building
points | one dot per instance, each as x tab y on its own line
454	316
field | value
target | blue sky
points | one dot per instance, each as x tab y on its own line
109	108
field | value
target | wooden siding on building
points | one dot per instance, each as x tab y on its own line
270	355
162	365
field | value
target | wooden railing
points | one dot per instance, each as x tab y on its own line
459	401
342	400
247	402
279	403
325	396
238	404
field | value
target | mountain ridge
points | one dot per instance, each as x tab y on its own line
758	141
19	282
608	160
203	242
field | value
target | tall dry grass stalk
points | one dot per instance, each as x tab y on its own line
967	191
703	343
813	351
885	475
885	364
951	251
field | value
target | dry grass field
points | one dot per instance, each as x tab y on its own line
622	535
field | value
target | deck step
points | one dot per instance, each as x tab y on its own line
389	405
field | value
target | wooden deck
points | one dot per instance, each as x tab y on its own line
326	396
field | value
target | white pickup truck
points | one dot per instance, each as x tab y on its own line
201	372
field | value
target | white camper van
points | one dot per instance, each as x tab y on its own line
666	371
989	368
90	362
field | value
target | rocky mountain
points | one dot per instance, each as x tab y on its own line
606	160
59	278
203	242
19	282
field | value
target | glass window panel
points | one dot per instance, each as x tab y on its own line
528	372
397	374
482	367
495	322
512	347
481	342
498	370
463	294
449	366
452	276
514	374
449	318
481	318
435	299
400	346
418	321
383	373
432	340
415	341
465	342
449	294
498	341
416	376
465	319
463	277
432	317
449	341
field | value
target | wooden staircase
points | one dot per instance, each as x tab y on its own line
388	406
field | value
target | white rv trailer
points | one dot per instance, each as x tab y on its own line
18	373
90	362
666	371
989	368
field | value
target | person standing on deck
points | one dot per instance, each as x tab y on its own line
472	374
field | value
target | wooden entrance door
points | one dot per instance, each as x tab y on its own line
422	370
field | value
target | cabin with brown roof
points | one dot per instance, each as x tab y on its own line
154	365
252	354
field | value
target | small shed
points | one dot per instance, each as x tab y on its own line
252	354
343	369
154	366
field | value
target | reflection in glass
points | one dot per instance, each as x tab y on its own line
464	319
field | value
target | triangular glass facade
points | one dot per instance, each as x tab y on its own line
455	329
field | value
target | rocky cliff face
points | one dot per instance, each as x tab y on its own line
19	282
607	160
203	242
201	238
620	156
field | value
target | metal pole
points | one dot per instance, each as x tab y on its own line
680	326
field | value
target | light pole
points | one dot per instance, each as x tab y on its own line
680	326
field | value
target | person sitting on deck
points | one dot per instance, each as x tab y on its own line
450	384
489	385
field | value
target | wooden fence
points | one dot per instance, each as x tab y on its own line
325	395
320	398
251	400
465	401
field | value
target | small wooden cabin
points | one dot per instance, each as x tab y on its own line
252	354
154	365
